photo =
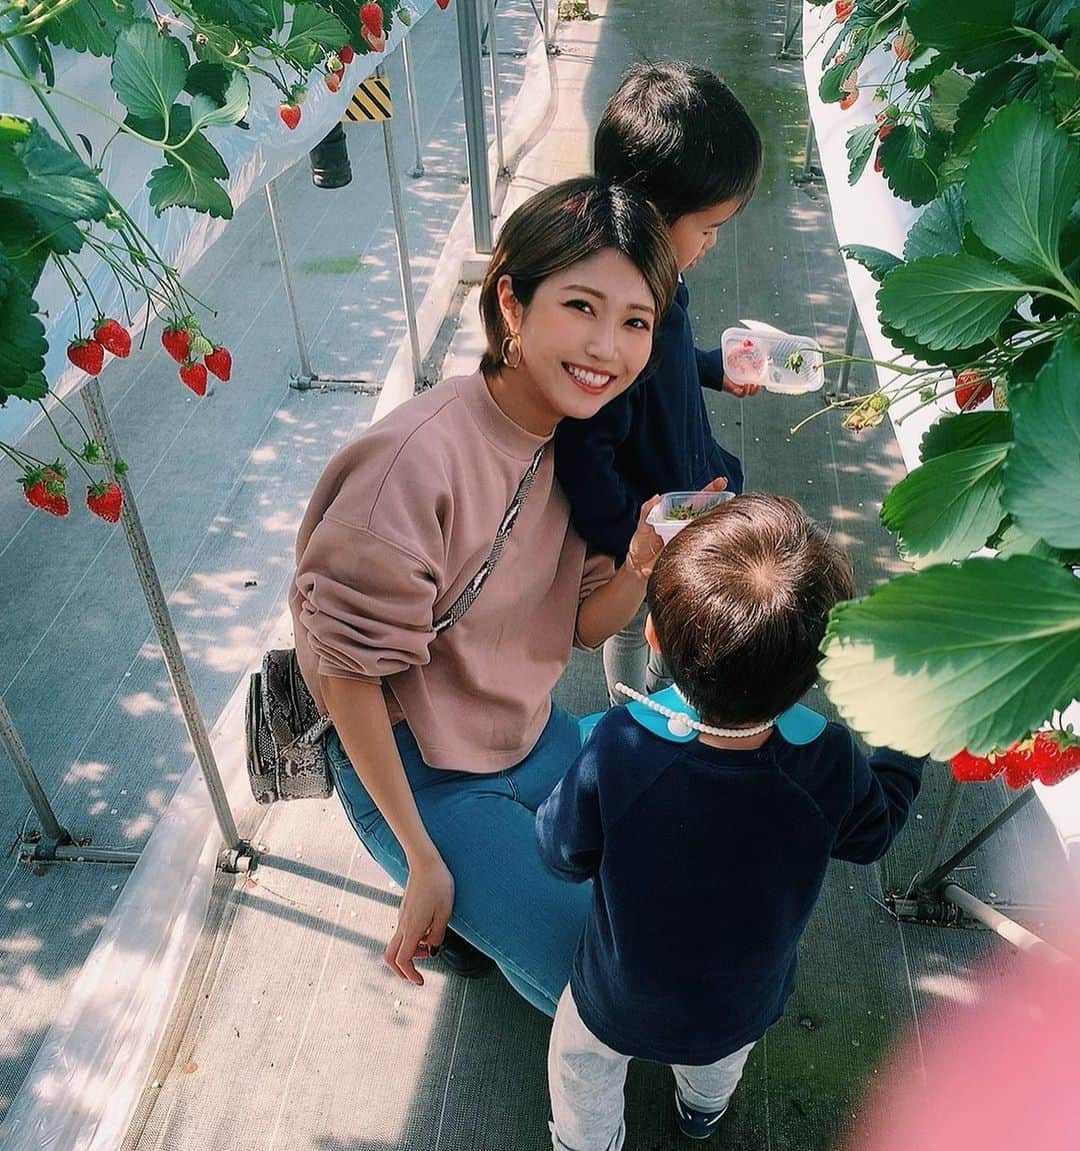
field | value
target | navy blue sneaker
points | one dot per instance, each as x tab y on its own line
696	1124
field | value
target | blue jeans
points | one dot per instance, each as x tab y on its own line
506	902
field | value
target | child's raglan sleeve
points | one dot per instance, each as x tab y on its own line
569	830
603	509
884	786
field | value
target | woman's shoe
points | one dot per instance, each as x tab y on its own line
462	957
696	1124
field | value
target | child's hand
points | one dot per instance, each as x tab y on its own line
740	390
645	544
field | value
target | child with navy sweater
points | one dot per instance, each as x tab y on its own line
678	134
706	817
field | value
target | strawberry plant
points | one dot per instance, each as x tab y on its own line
978	647
180	78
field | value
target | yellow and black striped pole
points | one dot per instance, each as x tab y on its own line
371	101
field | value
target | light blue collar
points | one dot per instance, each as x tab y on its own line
799	725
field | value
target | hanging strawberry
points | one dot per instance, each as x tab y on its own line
86	354
113	337
44	488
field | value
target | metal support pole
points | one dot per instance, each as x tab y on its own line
545	24
50	825
475	132
791	28
1009	930
810	172
306	374
493	60
414	115
849	347
94	403
945	819
402	240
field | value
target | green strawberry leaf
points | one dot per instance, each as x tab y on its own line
90	25
912	160
1022	181
947	93
248	19
989	90
876	261
939	231
948	507
219	45
971	655
924	66
829	88
951	301
977	34
212	104
1050	18
314	31
197	151
148	70
859	145
25	248
178	184
953	433
1042	474
22	343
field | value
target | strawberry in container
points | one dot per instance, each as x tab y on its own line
762	354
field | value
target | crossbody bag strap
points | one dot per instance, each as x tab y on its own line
472	589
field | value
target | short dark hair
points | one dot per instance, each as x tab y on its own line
740	599
563	225
678	133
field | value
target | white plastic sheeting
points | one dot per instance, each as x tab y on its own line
180	235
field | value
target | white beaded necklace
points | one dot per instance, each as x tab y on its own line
681	724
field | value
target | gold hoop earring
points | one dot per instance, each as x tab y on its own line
511	351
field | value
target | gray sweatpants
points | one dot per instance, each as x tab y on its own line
586	1080
628	659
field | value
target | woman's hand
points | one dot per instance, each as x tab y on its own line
739	390
645	544
422	917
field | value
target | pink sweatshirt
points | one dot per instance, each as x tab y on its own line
399	523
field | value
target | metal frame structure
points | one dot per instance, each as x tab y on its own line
54	842
932	898
792	24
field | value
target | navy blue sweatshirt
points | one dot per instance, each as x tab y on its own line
652	439
706	864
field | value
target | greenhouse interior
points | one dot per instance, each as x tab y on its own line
256	258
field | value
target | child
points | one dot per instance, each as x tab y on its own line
707	825
677	134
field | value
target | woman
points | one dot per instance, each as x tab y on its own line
446	741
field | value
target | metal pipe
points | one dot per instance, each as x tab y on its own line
942	827
545	25
1008	929
938	874
808	167
90	854
286	275
414	115
175	664
849	347
472	89
402	241
50	825
493	59
791	27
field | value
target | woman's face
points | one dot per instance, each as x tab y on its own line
585	337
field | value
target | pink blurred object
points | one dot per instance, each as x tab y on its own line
1002	1076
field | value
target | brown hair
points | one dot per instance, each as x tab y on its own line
562	225
740	599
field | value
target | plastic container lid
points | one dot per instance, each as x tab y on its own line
790	365
676	509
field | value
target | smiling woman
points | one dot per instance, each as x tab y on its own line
447	513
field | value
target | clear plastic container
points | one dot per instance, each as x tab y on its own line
790	365
676	509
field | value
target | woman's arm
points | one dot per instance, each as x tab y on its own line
363	726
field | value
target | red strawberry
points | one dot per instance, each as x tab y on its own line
333	80
972	388
346	54
885	129
194	375
848	99
290	114
219	361
44	489
968	768
105	500
843	9
86	354
371	19
1055	755
113	337
375	43
1018	763
443	4
176	340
